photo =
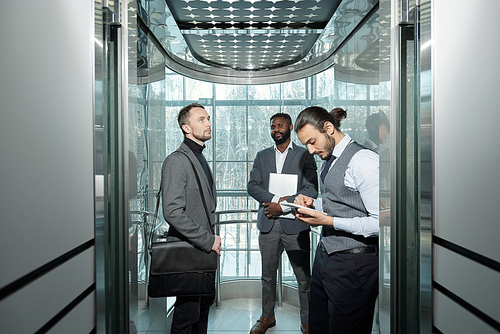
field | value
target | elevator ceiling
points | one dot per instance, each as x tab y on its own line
252	41
252	34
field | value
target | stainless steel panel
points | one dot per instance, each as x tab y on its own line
468	279
423	24
32	307
467	157
46	134
81	317
449	317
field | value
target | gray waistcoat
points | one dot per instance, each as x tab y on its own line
339	201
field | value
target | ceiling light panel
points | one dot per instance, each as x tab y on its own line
251	34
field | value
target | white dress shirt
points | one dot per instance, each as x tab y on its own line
362	175
280	162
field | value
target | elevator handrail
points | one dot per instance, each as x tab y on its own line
218	223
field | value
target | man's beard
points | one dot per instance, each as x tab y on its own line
203	137
285	135
329	145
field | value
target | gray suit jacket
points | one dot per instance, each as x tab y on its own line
181	199
298	161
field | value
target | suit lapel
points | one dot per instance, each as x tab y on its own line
201	174
289	158
271	157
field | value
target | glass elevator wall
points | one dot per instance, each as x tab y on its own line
240	128
150	95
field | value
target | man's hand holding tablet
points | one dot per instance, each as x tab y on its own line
306	214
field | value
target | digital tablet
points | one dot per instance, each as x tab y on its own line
296	206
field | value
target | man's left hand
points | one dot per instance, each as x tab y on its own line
273	210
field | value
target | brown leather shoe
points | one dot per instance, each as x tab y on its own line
262	325
304	328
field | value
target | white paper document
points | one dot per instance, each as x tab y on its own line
283	185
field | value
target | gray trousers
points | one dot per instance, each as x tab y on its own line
297	247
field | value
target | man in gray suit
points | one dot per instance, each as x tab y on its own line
276	231
184	211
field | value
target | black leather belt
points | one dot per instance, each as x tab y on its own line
357	250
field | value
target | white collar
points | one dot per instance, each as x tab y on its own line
340	147
289	147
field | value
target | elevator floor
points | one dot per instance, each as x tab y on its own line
234	316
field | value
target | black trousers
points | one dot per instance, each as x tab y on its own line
191	314
344	288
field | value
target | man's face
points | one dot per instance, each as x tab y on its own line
280	130
317	142
382	133
199	124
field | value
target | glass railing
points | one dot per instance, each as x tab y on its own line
240	256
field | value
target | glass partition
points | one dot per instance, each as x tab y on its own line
240	128
359	82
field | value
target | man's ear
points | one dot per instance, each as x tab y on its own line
186	128
329	128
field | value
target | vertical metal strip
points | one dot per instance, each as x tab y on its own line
404	185
395	102
116	213
280	282
217	288
423	39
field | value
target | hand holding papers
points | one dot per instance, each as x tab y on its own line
283	185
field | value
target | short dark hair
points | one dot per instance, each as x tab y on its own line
374	121
281	114
317	116
183	116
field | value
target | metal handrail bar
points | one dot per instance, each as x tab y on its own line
235	221
224	212
142	212
218	223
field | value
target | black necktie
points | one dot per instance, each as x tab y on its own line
326	167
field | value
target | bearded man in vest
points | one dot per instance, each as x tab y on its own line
344	282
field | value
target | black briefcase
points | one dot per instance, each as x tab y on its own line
179	269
